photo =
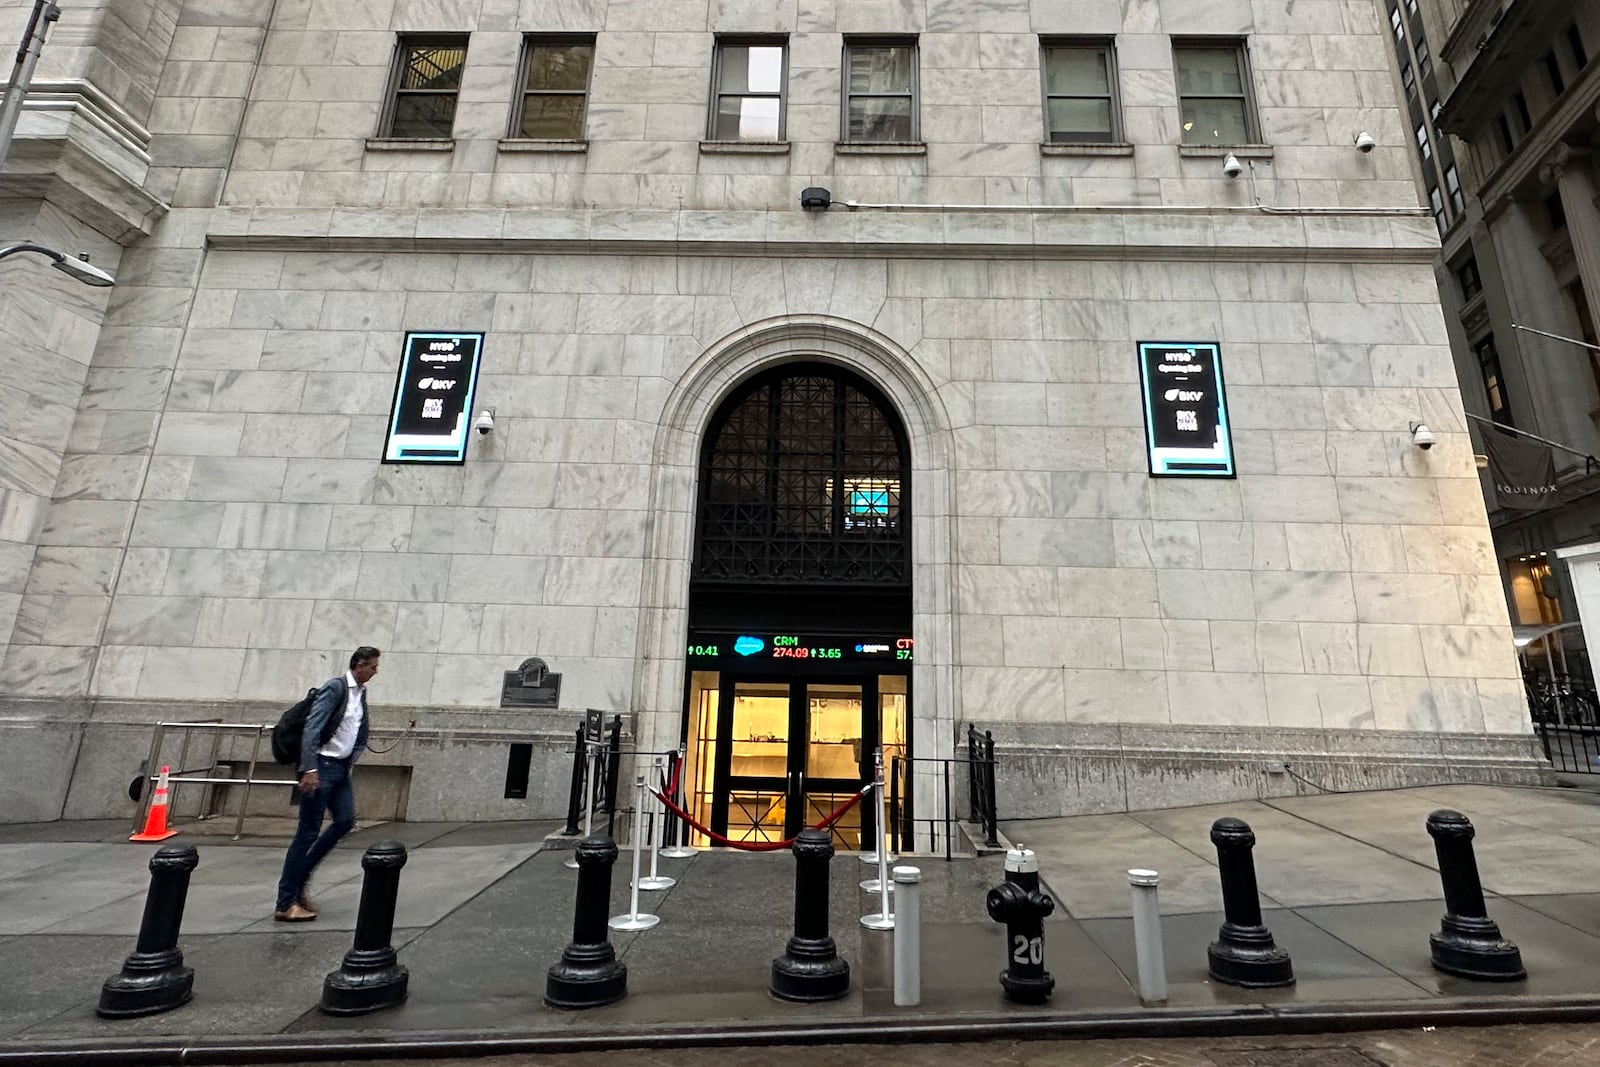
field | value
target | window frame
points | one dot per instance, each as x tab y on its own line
1580	53
1489	366
1107	46
397	67
911	41
748	40
1241	52
519	107
1424	143
1408	79
1465	269
1453	190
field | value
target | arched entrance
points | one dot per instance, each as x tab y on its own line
800	651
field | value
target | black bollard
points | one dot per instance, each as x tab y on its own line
575	795
588	974
613	773
371	977
1468	943
810	968
153	978
1243	953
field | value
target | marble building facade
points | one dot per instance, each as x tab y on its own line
203	528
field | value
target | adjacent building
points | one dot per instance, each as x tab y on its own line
1501	97
793	380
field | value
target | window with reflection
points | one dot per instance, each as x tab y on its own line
748	103
425	86
555	88
880	92
1079	92
1213	93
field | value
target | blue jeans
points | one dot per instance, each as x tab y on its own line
311	842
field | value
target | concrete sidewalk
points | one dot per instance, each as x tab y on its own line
1348	882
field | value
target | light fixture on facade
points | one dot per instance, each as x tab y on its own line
79	269
815	198
1231	165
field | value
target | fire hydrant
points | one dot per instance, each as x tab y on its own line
1022	906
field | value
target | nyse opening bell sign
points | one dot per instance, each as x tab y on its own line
1185	410
433	399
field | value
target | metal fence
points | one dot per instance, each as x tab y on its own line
919	782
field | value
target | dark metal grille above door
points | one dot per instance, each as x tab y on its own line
805	480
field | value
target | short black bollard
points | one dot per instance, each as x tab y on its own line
588	974
810	968
1468	943
154	979
1022	906
371	977
1243	953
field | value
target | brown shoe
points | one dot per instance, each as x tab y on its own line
305	903
294	913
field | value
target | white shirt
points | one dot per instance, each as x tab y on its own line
343	741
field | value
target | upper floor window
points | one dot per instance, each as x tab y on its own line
1398	23
1424	57
1552	68
1452	185
424	86
880	91
1080	92
555	88
1467	276
1424	149
1213	92
748	101
1575	42
1436	203
1433	112
1494	380
1408	79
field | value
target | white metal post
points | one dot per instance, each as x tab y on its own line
683	849
907	937
635	920
657	826
588	800
1147	937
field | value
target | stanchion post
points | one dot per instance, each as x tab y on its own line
907	937
658	819
588	974
1468	942
681	848
371	976
575	797
894	805
635	919
593	754
1147	949
613	774
153	978
810	968
1244	953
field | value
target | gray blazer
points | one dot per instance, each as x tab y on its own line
330	704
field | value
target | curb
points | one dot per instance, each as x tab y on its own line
1245	1021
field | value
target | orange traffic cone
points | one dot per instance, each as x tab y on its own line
155	822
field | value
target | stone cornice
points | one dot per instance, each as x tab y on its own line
1097	233
1545	139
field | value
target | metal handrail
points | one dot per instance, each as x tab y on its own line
208	780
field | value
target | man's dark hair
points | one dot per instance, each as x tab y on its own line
364	654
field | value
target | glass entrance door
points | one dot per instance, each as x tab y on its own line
793	754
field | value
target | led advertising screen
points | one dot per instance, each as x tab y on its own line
432	409
761	646
1185	410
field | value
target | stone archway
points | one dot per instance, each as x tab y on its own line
659	680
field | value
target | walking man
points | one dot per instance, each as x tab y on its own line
335	734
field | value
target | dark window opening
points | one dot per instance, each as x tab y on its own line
1555	214
1468	278
1552	67
1575	42
425	87
1493	380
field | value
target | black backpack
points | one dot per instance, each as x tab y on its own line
291	727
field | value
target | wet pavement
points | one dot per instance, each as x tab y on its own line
1348	884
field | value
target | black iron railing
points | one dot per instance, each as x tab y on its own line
909	831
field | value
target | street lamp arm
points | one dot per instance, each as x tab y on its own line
80	269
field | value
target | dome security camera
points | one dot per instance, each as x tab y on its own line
1231	166
1421	436
484	423
1365	142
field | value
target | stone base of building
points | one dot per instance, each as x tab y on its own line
1085	768
76	759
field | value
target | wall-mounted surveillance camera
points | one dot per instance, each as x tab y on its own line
484	423
1231	165
1421	436
1364	142
815	198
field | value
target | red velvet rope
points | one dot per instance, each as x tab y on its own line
754	846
